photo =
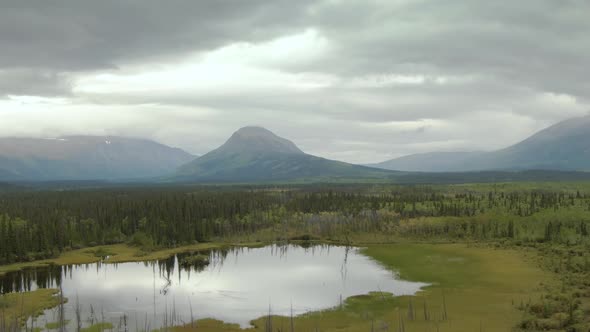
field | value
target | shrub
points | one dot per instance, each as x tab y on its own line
142	241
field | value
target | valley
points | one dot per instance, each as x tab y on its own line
294	166
487	255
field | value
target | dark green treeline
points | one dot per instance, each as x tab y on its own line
35	225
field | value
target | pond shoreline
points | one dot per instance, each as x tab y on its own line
402	257
330	270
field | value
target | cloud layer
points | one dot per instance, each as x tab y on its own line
360	81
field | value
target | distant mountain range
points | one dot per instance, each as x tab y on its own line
254	154
564	146
86	157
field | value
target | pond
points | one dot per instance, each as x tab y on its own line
238	285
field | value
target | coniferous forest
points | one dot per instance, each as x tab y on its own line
550	220
42	224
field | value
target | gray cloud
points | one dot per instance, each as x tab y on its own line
398	77
28	81
86	34
541	44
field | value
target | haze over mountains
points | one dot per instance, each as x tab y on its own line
256	154
564	146
86	158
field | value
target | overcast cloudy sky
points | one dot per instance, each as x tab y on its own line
359	81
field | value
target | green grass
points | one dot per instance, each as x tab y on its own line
99	327
480	286
100	252
56	325
443	265
119	253
15	306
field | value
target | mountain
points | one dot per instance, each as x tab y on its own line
254	154
564	146
429	162
85	158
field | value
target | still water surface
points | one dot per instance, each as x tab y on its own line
239	285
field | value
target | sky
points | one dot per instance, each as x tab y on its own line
359	81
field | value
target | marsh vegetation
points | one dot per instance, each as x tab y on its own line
291	279
520	257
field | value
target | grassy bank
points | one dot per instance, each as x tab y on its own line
118	253
471	288
17	306
13	307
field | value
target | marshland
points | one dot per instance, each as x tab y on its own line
489	257
294	166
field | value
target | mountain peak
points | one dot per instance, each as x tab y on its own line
258	139
564	146
255	154
569	127
254	131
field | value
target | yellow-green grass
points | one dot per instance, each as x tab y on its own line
278	233
56	325
119	253
99	327
16	306
481	288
